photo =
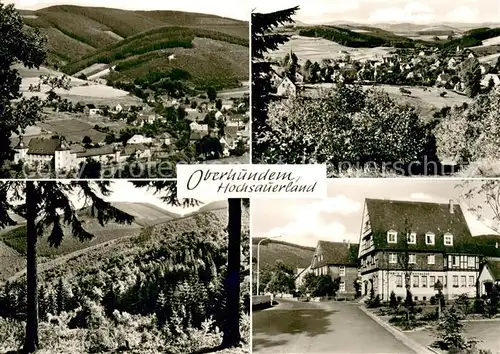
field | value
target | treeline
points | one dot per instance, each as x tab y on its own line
473	37
355	39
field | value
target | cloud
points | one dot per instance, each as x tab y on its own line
462	14
412	12
316	221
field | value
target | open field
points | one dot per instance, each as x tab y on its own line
317	49
16	238
146	214
429	96
73	130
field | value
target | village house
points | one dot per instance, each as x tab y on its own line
56	151
427	242
300	274
485	81
339	260
442	79
489	276
139	139
196	127
286	88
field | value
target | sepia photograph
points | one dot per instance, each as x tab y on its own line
122	89
384	88
380	266
121	267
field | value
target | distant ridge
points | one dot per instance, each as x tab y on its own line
293	255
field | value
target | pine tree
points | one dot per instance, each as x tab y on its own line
109	301
263	41
61	297
43	304
160	310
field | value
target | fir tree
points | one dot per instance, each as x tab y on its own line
161	305
43	304
109	301
61	297
263	41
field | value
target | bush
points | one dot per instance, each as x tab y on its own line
479	306
375	303
394	303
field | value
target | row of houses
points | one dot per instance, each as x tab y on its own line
416	242
65	157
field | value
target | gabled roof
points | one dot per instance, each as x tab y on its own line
337	253
41	146
419	217
103	150
494	267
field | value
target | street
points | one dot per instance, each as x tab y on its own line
328	327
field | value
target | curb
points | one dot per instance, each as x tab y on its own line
400	336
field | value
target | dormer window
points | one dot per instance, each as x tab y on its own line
448	239
412	238
392	237
430	238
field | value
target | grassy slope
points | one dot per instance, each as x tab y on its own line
76	33
291	254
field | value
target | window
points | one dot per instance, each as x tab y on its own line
412	258
415	281
392	237
431	259
342	286
342	271
463	281
416	298
424	282
429	238
412	238
472	281
440	279
393	258
399	281
455	261
471	262
455	281
448	239
432	280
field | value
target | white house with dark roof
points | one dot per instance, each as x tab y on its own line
40	151
286	88
338	260
415	245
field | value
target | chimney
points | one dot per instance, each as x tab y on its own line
496	245
348	243
452	206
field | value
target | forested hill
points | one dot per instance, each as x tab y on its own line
213	50
291	254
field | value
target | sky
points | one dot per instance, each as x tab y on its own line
233	9
338	217
386	11
124	191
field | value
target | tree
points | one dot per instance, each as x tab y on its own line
211	93
470	75
326	286
47	205
26	46
406	265
231	336
263	42
393	302
282	280
291	65
86	140
218	104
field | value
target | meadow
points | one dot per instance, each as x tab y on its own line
317	49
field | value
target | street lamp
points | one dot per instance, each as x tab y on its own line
258	259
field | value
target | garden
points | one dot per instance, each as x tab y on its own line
444	325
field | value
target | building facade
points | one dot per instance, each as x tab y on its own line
339	260
417	244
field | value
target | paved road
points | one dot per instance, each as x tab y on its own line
328	327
